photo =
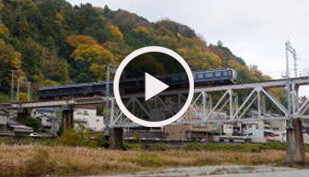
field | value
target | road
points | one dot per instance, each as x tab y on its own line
223	171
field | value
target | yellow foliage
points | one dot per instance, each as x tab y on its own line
92	53
59	17
116	33
16	62
244	74
3	30
142	29
77	40
238	66
1	4
200	60
47	82
23	96
9	58
98	70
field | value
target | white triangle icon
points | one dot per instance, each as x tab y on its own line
153	86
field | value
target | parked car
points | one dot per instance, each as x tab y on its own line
41	135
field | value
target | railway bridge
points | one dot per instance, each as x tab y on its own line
230	103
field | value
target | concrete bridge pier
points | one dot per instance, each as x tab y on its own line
295	152
116	138
67	120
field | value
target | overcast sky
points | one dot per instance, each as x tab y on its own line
254	30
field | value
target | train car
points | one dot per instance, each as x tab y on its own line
215	77
224	76
99	88
66	91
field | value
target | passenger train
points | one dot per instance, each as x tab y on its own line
224	76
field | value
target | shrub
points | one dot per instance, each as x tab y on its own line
77	137
34	123
101	140
132	146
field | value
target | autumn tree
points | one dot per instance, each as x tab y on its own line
93	57
200	60
10	60
243	73
4	31
116	34
256	72
76	40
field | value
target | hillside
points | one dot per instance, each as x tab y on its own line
51	42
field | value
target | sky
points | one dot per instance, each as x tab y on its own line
254	30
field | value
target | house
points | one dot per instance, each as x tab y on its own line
3	118
86	115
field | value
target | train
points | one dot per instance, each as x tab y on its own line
225	76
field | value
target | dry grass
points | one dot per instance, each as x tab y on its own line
32	160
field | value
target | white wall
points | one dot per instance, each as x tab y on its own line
88	118
44	116
3	119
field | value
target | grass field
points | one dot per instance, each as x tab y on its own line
38	160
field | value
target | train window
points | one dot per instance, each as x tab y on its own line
175	78
208	75
225	73
217	74
200	76
183	78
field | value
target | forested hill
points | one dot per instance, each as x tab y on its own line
51	42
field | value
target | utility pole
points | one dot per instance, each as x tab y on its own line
110	68
107	80
291	50
295	63
17	93
295	153
28	90
12	85
287	59
107	85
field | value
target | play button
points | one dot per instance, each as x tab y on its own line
153	86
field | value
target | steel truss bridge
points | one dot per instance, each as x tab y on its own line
230	103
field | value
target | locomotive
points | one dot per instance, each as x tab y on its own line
223	76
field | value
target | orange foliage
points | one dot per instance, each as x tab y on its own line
77	40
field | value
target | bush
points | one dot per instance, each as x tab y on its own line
34	123
133	146
77	137
101	140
